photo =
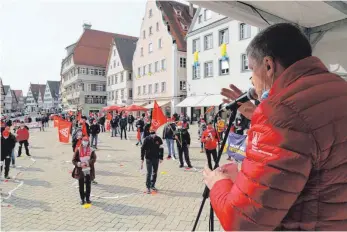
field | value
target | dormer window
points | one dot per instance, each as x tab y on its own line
184	27
150	13
178	12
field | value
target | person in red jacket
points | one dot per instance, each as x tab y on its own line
294	174
22	138
210	139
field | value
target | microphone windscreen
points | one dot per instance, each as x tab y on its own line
252	94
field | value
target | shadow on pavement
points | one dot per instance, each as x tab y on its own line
116	189
30	169
42	158
103	149
28	204
121	209
172	193
38	183
108	173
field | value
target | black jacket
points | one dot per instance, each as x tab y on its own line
140	124
7	146
169	131
146	130
94	129
123	122
182	138
102	120
151	148
131	119
114	122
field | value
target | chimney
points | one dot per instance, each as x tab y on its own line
87	26
191	10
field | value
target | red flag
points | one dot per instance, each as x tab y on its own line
64	131
158	117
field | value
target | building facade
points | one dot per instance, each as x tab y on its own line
159	61
216	58
51	97
2	100
83	71
10	100
20	100
32	99
120	72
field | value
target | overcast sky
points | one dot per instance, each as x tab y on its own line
34	34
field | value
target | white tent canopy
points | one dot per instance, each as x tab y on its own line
324	23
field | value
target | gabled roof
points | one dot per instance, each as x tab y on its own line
126	48
175	21
42	90
6	88
14	97
93	47
18	93
54	88
35	89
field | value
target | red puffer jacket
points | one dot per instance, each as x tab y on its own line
295	173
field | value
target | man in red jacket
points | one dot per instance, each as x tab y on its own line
22	138
294	174
210	139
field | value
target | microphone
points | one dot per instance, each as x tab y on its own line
245	97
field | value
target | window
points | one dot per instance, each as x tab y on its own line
224	36
150	68
150	31
108	96
138	90
200	19
163	87
156	66
141	51
100	88
196	45
208	42
144	34
156	88
150	13
139	71
144	90
183	85
130	95
244	62
92	72
122	94
163	64
116	93
112	79
159	43
116	79
118	63
129	76
150	89
108	81
196	72
100	72
121	77
183	62
112	95
223	67
93	87
83	71
114	52
245	31
150	48
207	14
208	66
157	26
144	70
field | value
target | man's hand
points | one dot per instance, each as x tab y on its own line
231	94
211	177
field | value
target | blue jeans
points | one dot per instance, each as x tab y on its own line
13	157
113	132
94	138
170	147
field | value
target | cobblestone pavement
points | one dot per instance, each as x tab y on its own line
43	195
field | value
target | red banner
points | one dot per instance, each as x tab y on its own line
64	131
158	117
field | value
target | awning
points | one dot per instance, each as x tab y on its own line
211	100
190	101
160	103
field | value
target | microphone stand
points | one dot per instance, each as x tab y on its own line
206	192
